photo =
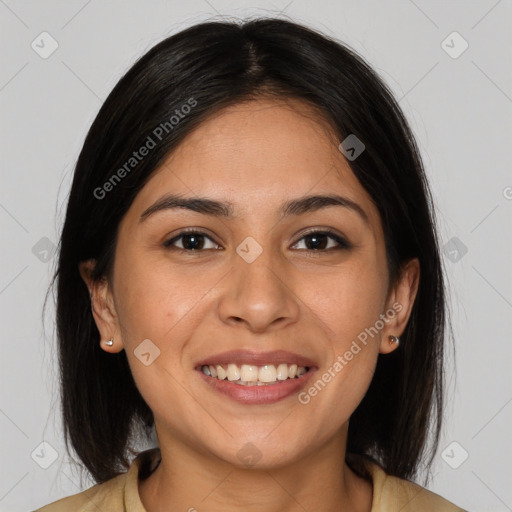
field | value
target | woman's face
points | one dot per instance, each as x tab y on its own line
254	282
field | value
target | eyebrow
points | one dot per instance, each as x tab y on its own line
207	206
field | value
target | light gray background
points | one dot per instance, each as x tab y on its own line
460	109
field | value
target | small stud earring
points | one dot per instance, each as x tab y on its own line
394	339
110	342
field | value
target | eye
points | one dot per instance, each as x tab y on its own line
191	240
319	241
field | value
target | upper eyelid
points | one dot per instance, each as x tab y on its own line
174	238
340	239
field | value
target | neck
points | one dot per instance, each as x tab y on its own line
320	481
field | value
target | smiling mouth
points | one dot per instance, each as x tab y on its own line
253	375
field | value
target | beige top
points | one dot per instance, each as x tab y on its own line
121	494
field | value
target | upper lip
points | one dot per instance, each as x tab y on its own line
251	357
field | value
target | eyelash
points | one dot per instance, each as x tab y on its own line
342	243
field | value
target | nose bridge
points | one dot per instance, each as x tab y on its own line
257	293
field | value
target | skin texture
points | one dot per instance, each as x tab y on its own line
255	155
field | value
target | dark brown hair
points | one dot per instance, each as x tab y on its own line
217	64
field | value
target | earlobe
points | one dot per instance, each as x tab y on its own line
402	297
102	306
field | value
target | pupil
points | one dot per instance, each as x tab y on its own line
196	242
316	243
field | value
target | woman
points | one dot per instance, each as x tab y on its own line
249	263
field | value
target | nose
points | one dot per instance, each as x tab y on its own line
258	295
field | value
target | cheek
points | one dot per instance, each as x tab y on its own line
159	304
347	300
159	301
347	303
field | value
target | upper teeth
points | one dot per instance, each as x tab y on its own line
247	373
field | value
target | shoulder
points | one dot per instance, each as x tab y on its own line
117	494
392	493
103	496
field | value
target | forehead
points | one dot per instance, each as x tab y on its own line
261	140
256	154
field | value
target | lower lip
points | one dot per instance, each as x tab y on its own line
254	395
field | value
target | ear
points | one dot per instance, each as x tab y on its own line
399	304
102	305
